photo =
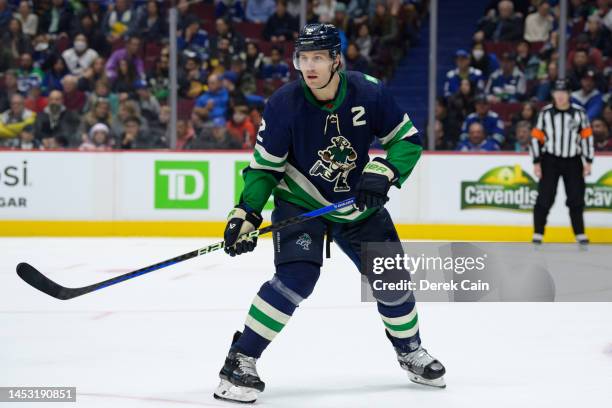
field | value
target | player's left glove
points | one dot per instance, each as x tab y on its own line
377	178
241	220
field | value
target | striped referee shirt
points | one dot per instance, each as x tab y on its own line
563	134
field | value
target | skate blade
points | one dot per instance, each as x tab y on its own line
438	382
229	392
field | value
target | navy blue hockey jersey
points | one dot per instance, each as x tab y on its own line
312	153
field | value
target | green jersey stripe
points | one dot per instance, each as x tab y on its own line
261	160
269	156
270	310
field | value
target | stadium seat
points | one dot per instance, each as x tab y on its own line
185	107
250	30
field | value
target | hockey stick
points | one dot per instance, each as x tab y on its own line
39	281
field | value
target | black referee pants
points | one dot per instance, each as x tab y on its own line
571	170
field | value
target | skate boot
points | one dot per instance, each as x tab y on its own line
239	379
422	368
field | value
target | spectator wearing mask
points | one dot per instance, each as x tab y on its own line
117	20
213	103
80	57
259	11
493	125
26	140
74	99
240	126
215	136
281	26
588	96
538	25
28	19
276	68
13	120
354	60
507	84
131	54
477	140
463	71
92	29
98	139
56	20
56	121
601	134
483	61
505	26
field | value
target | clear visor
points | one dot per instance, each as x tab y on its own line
311	59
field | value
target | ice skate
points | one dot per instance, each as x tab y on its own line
422	368
239	379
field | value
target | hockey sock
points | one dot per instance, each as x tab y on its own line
402	324
274	304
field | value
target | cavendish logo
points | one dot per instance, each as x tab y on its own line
337	160
304	241
504	187
598	195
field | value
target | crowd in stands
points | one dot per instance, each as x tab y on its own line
491	99
94	75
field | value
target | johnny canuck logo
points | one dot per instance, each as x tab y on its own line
304	241
337	160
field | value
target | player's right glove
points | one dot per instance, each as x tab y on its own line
372	188
241	220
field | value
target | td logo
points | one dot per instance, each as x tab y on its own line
181	185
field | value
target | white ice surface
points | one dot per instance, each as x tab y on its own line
159	340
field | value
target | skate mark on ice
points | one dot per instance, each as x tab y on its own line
102	315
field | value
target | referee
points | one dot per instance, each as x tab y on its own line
561	139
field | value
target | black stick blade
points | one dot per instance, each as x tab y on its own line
39	281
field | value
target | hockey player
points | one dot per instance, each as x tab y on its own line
312	150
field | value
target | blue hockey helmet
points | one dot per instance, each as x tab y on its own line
314	37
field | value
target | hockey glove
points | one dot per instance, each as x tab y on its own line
241	220
373	186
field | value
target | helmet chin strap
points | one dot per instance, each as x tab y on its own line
331	76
